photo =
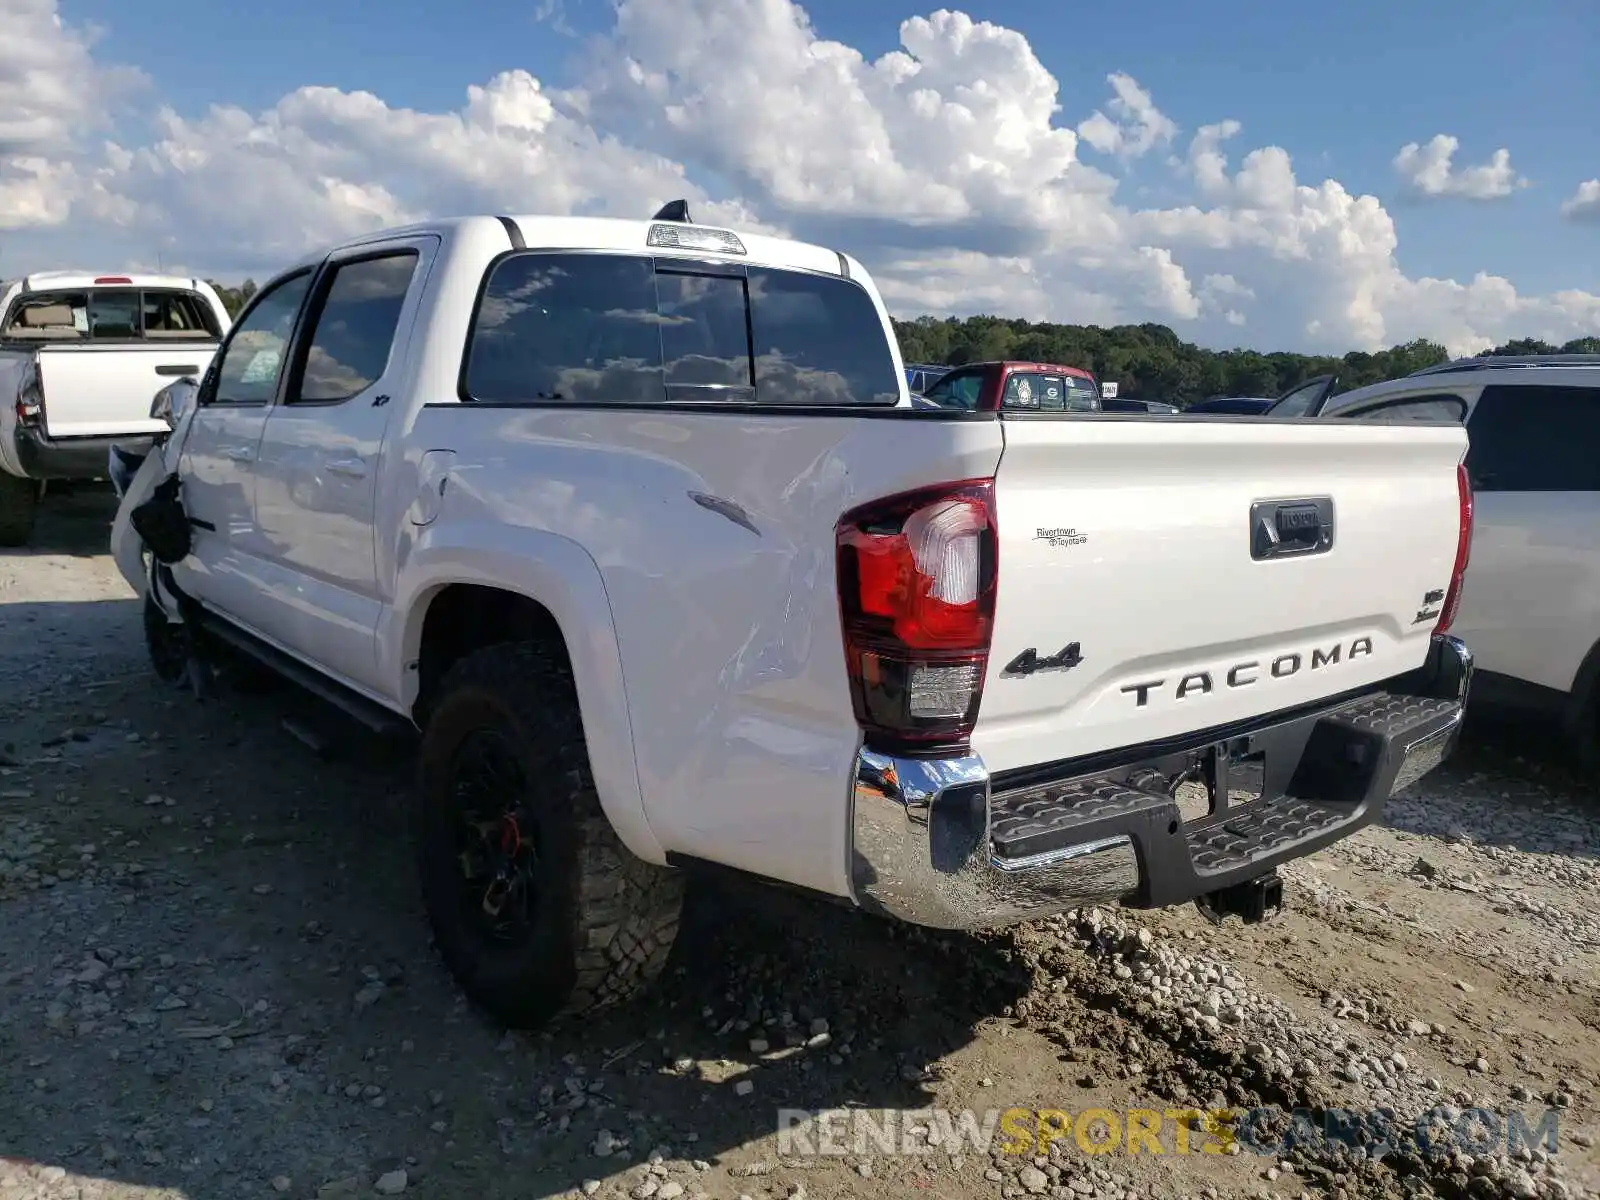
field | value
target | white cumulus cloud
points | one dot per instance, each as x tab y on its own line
950	165
1136	127
1430	171
1583	204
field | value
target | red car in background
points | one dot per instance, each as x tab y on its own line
1016	386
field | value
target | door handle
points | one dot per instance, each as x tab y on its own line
240	453
1291	528
353	467
177	369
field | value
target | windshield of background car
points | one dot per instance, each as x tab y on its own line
1298	402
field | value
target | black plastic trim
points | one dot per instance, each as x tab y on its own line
740	409
368	712
514	232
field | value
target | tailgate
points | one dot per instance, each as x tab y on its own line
1133	540
106	391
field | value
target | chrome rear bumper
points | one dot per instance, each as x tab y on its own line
939	842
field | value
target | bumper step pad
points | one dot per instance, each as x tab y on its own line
1355	757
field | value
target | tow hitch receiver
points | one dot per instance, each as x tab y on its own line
1252	901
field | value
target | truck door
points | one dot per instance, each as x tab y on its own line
218	458
317	471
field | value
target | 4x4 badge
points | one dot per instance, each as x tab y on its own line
1029	661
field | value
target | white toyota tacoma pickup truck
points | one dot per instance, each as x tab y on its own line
630	522
80	357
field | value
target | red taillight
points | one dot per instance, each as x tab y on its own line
917	577
112	279
1452	598
30	397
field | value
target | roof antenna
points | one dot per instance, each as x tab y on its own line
674	210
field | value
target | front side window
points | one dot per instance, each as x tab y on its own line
598	329
1530	438
354	333
253	359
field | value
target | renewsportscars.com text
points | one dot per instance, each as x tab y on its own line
1266	1130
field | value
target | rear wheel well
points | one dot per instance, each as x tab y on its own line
464	617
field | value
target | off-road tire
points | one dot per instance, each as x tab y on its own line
166	643
19	505
607	919
1583	733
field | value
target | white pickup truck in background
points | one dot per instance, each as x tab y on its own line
630	521
81	356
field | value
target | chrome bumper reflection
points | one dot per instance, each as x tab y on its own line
922	851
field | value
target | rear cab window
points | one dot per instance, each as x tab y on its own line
595	328
1535	438
1049	391
116	314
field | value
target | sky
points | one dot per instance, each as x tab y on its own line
1314	178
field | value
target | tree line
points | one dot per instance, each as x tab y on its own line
1150	362
1147	362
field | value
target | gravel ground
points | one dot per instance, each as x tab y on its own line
215	981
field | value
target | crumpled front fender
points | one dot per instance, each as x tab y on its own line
127	548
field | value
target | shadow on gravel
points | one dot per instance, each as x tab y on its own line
234	993
1512	782
72	520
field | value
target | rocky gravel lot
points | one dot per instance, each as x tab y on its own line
215	981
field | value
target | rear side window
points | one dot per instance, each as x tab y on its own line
354	332
602	329
1535	439
1434	408
112	315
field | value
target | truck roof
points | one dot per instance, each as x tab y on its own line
1019	364
47	280
537	231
